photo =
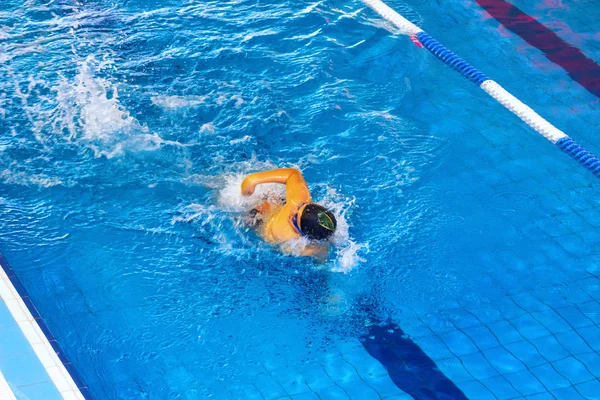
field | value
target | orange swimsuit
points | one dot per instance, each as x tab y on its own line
281	222
278	226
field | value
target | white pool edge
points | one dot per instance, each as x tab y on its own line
37	339
5	392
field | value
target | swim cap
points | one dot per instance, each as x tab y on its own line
317	222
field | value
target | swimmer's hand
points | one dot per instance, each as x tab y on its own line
248	186
296	188
318	251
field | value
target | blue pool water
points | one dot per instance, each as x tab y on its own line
127	125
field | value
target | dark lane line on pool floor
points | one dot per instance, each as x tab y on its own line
580	68
407	364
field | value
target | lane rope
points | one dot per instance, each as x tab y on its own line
502	96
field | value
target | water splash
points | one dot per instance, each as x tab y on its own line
347	251
88	108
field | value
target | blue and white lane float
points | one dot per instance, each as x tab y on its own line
521	110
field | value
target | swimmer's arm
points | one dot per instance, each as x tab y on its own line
280	175
297	189
318	251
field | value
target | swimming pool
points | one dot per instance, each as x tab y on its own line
127	125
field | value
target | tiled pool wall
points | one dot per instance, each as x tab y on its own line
32	364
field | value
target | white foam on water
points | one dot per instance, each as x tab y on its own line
348	256
100	112
238	100
88	108
244	139
208	127
26	179
169	103
195	212
3	101
347	250
221	100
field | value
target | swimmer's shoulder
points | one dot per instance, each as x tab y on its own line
279	226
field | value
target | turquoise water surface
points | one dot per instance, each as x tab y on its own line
127	126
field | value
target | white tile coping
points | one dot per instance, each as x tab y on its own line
38	341
5	392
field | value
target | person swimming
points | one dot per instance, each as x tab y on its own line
295	217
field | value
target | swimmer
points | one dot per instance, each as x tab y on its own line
293	218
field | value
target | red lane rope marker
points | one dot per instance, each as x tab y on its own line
415	40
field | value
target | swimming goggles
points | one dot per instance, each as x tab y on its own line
295	220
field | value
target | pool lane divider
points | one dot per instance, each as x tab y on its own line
514	105
51	356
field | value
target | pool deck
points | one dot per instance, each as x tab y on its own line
30	366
